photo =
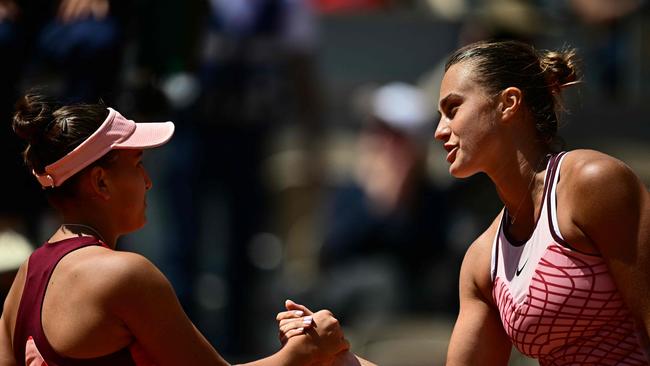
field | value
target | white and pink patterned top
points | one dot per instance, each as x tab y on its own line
559	305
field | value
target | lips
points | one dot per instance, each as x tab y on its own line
451	156
451	152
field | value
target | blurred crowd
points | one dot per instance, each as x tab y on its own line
303	165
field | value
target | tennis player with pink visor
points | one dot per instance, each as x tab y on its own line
78	301
116	132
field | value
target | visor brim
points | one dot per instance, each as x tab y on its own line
148	135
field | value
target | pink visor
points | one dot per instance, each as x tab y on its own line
116	132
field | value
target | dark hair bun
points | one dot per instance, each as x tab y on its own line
560	67
33	117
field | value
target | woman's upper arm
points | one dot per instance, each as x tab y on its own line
6	348
144	300
9	310
611	206
478	336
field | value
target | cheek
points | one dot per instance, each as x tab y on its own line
134	208
132	195
477	132
477	139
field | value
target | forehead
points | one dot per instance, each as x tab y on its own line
128	154
458	79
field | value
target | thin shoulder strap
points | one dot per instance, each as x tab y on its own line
551	202
494	262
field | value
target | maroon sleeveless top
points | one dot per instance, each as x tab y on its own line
28	320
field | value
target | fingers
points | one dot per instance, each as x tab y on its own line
330	327
326	319
290	305
291	314
288	324
284	337
292	323
294	332
293	327
322	330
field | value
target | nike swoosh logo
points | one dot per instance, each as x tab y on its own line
518	270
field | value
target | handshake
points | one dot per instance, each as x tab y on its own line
317	337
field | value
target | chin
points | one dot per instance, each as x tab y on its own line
459	172
142	223
138	226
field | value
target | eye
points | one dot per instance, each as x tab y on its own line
453	110
450	111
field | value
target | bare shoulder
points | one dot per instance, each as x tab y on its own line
475	270
600	198
593	181
127	265
12	301
114	275
16	290
8	318
594	170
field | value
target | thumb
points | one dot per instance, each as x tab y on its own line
290	305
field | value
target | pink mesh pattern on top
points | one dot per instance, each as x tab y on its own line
32	355
573	313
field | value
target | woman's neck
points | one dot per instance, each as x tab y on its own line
519	181
74	225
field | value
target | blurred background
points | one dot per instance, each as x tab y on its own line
304	164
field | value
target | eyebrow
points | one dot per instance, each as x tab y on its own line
444	101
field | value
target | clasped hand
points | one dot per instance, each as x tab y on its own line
319	335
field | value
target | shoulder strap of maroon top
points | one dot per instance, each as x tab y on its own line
28	318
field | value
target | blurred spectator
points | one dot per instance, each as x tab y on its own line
602	31
79	39
604	11
254	75
332	6
518	20
384	248
159	72
74	47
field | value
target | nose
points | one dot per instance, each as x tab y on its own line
443	131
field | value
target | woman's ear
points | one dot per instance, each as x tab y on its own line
510	100
99	182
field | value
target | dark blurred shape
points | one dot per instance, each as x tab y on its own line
253	75
604	11
504	20
384	248
72	48
607	34
335	6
